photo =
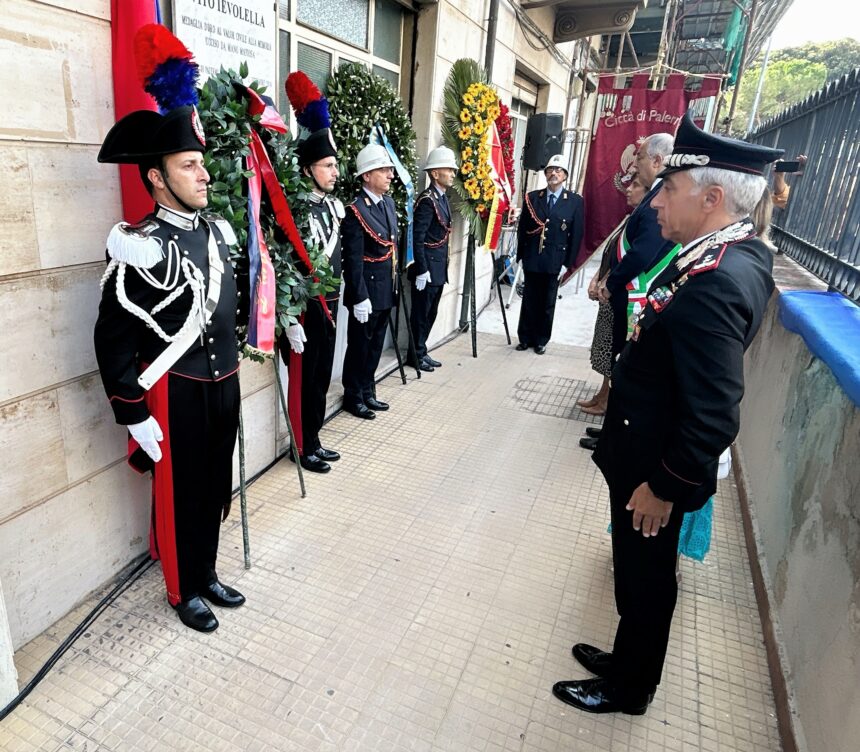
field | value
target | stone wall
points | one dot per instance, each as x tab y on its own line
800	444
72	513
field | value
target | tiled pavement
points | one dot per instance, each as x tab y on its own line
424	596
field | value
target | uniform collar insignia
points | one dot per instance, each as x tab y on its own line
730	234
178	219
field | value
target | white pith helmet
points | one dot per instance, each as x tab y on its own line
441	156
557	160
372	157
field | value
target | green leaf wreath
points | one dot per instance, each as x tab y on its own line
359	99
227	124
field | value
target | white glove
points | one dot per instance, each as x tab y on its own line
725	465
362	311
148	434
297	338
422	280
562	272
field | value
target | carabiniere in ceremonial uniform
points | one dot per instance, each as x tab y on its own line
308	347
165	341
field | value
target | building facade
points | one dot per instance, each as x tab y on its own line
73	514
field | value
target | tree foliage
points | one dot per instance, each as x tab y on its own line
792	74
839	57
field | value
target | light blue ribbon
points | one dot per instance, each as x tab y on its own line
377	136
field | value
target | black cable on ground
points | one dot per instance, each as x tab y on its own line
120	588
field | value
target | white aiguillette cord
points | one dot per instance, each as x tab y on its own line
176	349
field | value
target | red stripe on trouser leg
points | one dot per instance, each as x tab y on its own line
164	525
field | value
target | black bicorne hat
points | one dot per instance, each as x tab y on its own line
696	148
144	135
319	145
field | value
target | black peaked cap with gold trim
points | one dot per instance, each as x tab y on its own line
696	148
143	135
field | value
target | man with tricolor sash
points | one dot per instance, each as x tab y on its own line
430	234
548	237
640	247
369	258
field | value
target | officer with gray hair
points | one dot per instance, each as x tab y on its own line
642	245
674	403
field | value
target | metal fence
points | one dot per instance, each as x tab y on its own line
819	227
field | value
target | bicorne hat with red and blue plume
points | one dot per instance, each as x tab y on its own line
166	67
311	109
168	72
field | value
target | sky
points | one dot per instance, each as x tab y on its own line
817	21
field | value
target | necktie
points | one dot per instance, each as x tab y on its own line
551	201
379	207
445	208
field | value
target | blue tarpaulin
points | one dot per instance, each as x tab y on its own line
830	325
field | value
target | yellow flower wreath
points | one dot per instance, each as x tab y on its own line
480	108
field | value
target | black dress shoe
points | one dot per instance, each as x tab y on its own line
360	411
601	696
329	455
434	363
312	463
593	431
196	614
540	349
522	346
423	365
594	659
222	595
589	443
375	404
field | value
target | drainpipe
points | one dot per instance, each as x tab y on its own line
412	64
490	52
469	275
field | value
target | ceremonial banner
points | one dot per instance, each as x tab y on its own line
128	94
625	118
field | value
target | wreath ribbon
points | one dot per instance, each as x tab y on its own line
377	136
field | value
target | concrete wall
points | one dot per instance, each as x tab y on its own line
72	514
800	444
448	31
